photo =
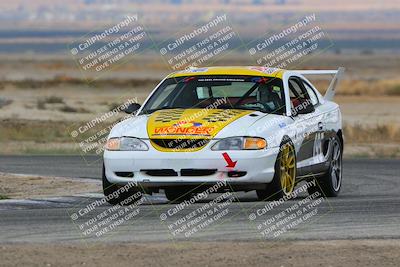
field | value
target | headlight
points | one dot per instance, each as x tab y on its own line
126	144
240	143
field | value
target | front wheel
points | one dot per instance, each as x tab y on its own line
284	179
330	183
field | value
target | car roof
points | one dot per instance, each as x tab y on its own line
231	70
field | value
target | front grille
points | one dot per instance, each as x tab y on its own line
183	172
124	174
161	172
197	172
180	144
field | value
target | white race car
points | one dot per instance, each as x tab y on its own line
252	128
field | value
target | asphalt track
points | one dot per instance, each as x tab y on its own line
368	207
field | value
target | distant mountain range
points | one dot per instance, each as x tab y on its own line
86	14
352	23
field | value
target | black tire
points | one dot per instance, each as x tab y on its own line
274	190
128	197
312	189
177	194
330	183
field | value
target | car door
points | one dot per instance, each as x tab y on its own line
307	127
323	136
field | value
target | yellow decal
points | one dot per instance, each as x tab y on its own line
184	124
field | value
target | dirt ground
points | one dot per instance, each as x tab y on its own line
272	253
33	186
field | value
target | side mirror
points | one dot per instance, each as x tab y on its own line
132	108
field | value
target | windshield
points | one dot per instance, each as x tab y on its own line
216	91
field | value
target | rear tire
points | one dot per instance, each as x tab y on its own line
115	197
284	179
329	184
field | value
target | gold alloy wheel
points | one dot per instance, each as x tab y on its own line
287	169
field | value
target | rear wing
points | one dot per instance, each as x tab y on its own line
330	92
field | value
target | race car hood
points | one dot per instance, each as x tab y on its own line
191	123
196	125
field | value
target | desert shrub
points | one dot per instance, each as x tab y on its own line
70	109
41	103
384	133
54	100
394	90
5	102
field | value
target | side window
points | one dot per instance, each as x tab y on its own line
297	93
311	93
295	88
299	99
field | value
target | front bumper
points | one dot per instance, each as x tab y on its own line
258	166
